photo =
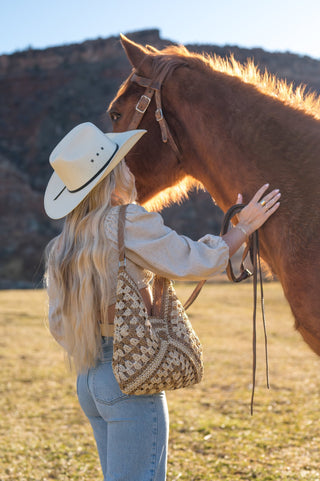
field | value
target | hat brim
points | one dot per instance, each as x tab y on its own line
58	201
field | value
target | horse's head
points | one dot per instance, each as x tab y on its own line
154	163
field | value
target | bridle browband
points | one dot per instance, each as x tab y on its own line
153	87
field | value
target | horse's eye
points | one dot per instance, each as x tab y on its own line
114	116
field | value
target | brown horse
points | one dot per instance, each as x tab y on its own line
234	130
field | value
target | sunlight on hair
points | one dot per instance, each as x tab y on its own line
172	195
266	82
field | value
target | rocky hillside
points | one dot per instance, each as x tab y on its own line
44	93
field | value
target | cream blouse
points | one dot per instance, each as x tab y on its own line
151	247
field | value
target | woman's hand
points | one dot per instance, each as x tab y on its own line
252	216
259	209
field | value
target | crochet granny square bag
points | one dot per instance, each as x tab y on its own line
152	353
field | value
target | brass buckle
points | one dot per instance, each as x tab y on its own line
159	115
143	104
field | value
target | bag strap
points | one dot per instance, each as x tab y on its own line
159	283
194	295
121	221
107	329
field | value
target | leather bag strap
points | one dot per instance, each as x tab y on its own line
107	329
159	283
194	295
121	221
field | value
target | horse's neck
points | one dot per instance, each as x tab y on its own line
238	137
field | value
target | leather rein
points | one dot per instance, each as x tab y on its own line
153	88
252	248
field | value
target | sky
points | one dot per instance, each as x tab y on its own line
274	25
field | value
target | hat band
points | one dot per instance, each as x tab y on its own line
92	178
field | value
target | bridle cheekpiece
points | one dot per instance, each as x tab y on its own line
153	87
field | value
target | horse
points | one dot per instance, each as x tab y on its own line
230	128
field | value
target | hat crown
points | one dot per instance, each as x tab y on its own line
81	155
80	161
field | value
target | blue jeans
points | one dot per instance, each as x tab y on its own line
131	432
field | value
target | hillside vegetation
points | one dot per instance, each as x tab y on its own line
44	93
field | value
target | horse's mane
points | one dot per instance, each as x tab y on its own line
296	96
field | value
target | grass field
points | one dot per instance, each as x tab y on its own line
44	435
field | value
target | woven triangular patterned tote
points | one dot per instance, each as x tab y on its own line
152	353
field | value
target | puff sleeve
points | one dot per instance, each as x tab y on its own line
156	247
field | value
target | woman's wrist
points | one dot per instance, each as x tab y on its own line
244	229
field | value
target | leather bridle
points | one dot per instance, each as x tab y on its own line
153	87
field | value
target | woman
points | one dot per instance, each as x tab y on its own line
90	181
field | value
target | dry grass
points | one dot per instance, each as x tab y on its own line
45	436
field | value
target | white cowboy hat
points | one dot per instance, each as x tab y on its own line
80	161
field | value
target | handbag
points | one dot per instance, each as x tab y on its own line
152	353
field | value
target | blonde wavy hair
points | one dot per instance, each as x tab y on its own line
77	267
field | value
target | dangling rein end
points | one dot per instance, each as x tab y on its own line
253	249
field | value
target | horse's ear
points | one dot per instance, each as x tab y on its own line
152	49
136	53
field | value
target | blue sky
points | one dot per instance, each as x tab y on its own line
275	25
